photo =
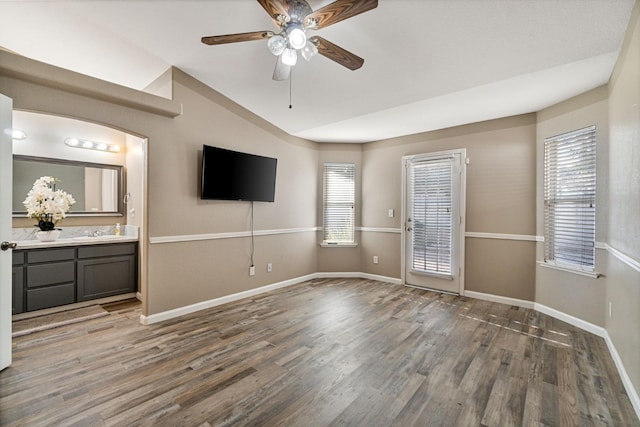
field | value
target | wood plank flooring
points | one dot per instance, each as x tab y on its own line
323	353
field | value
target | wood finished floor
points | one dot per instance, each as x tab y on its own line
322	353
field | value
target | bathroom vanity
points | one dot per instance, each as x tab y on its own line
50	274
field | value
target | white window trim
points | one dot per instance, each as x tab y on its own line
339	243
589	271
569	269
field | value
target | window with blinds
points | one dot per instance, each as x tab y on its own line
339	202
432	215
570	199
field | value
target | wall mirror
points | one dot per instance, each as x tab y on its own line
97	188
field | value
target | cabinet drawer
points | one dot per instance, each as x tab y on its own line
50	255
50	274
17	258
51	296
106	250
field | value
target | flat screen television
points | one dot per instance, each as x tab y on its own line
232	175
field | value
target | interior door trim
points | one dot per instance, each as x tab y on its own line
463	209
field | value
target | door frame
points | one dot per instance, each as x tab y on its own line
463	212
6	287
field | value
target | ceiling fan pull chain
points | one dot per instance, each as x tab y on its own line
290	80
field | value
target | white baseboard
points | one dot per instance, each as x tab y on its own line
500	299
575	321
578	323
188	309
628	385
358	275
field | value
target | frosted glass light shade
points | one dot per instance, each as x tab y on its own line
289	57
309	51
277	44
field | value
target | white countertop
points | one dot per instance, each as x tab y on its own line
74	241
75	236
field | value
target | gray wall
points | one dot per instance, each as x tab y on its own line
572	294
500	200
340	259
623	222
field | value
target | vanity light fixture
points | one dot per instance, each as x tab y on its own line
18	135
91	145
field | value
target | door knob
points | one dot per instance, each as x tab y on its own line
8	245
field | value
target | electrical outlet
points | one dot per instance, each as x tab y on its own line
391	213
269	268
610	309
252	270
375	259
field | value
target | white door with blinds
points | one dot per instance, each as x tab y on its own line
433	234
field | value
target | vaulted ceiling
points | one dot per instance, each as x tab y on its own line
429	64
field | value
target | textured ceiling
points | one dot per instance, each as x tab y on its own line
429	64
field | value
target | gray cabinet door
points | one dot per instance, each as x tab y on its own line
103	277
18	290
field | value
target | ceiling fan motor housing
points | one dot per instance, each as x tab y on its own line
294	27
298	10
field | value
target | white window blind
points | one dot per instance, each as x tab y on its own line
339	202
432	215
570	199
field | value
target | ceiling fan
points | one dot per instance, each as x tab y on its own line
294	18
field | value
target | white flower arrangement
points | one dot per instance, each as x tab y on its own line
46	204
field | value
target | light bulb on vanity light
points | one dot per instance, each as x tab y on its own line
91	145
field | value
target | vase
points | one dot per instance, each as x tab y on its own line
48	236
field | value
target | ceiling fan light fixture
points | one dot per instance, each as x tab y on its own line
297	36
309	51
277	44
289	57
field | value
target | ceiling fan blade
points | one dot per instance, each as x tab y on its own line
337	54
240	37
275	8
282	70
338	11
